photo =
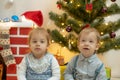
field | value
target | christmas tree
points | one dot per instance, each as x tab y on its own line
79	14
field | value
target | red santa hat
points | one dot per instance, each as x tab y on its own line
35	16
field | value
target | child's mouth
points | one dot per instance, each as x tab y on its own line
86	48
37	48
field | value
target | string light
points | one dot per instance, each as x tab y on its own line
60	41
52	41
62	24
59	17
106	23
35	26
63	35
101	43
72	42
78	5
63	30
101	33
116	46
71	1
64	47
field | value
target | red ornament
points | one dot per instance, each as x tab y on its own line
59	6
89	7
112	34
113	0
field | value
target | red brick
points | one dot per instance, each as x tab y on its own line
11	69
13	31
25	31
11	77
18	59
23	50
18	40
14	50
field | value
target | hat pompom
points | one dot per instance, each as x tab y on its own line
35	16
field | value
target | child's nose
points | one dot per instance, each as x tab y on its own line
86	43
38	43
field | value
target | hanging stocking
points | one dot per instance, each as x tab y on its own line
5	50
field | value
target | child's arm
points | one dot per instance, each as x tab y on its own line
21	70
68	74
55	70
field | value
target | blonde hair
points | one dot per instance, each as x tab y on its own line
89	30
39	30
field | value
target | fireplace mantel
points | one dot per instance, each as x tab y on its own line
8	25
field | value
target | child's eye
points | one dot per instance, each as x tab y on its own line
83	40
34	41
91	41
42	41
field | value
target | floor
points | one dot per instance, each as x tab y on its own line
115	79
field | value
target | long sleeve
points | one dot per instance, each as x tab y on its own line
55	70
69	70
21	70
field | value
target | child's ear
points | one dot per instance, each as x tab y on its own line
78	44
97	46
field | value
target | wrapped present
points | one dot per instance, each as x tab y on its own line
108	73
60	59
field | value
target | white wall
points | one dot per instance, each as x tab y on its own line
112	58
17	7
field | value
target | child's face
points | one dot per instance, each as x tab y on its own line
38	44
88	44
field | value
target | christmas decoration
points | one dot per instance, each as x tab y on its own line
35	16
113	0
59	58
69	44
6	52
15	18
6	20
68	28
67	1
104	9
89	8
112	34
80	14
59	6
